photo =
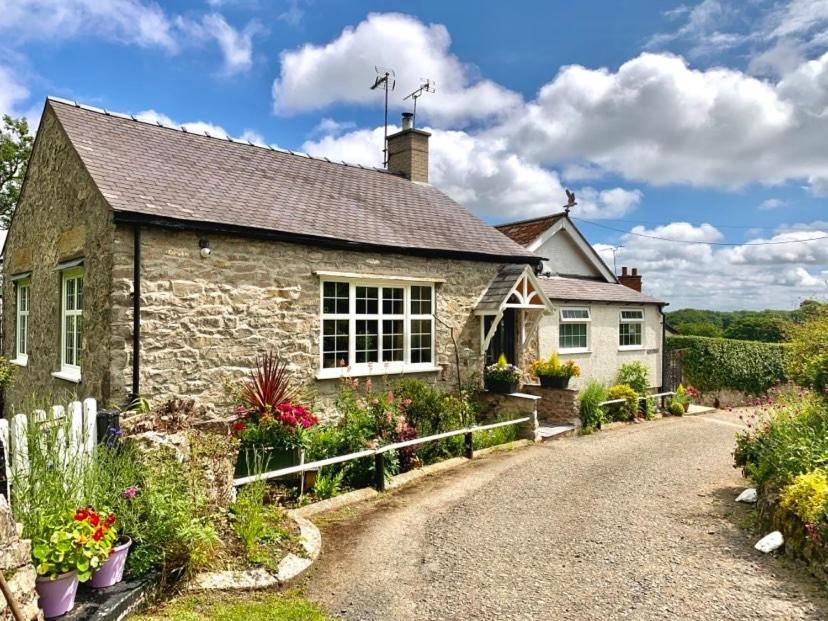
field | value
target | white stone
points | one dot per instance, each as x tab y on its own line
770	542
748	496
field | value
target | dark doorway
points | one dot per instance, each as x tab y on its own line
503	341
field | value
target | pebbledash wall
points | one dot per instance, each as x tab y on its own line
60	216
204	319
604	357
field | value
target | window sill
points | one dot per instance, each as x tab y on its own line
630	348
339	373
21	362
578	350
69	376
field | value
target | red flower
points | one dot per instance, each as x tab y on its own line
81	515
94	519
110	520
239	426
98	534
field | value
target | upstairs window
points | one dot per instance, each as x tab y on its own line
573	330
22	323
378	328
631	329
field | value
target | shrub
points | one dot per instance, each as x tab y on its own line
328	486
676	409
807	496
808	353
592	414
635	375
496	436
714	363
622	411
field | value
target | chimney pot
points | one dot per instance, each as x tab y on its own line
623	270
407	120
635	271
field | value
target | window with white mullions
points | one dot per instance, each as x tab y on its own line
631	329
22	335
72	322
573	330
377	327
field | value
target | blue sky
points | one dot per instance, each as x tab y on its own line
696	122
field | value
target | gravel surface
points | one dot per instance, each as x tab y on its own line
636	523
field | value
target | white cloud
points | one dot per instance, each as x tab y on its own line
314	77
613	203
702	28
772	203
12	92
236	45
703	276
330	127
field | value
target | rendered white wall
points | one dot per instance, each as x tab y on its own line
565	257
604	357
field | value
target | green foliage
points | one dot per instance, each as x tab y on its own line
15	150
498	435
622	411
592	414
791	439
807	497
503	371
765	328
7	372
698	328
328	486
635	375
78	541
712	364
807	360
260	526
676	408
237	606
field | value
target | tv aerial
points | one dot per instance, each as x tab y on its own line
426	86
387	80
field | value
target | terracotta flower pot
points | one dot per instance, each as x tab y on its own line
686	406
112	571
57	593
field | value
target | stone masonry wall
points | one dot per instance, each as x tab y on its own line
16	565
556	405
61	216
205	319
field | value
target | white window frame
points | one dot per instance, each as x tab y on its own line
631	320
587	321
380	367
21	334
70	370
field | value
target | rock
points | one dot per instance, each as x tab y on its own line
770	542
749	496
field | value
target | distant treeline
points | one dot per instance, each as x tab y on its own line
769	326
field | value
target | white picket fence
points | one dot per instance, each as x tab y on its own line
78	420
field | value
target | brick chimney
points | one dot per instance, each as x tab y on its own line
408	151
631	279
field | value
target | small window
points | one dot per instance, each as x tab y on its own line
631	329
573	331
22	334
72	323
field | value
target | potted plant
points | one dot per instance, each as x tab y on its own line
112	571
68	548
502	377
684	396
552	373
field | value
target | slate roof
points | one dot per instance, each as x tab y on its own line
525	232
579	289
500	287
166	173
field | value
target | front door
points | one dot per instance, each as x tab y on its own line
503	341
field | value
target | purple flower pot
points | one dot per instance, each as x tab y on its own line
57	595
112	571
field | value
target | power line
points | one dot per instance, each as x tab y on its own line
705	243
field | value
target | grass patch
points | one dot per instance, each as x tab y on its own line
241	606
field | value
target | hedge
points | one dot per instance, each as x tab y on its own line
715	363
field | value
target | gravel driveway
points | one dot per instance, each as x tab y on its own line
635	523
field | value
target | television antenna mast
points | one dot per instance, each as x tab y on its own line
614	250
426	86
386	78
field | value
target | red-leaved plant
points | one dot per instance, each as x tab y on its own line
268	384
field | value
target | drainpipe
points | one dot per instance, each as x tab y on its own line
663	352
136	312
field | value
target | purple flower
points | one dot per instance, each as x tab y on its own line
130	492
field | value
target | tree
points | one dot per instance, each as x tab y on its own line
757	327
15	149
698	328
808	353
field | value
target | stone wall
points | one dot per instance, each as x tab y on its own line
16	565
495	407
61	216
556	405
203	320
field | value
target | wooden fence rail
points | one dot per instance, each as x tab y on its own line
379	453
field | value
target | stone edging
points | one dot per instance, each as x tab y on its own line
290	568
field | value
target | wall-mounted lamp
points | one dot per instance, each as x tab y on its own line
204	244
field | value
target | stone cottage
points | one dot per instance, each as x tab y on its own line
145	259
599	320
